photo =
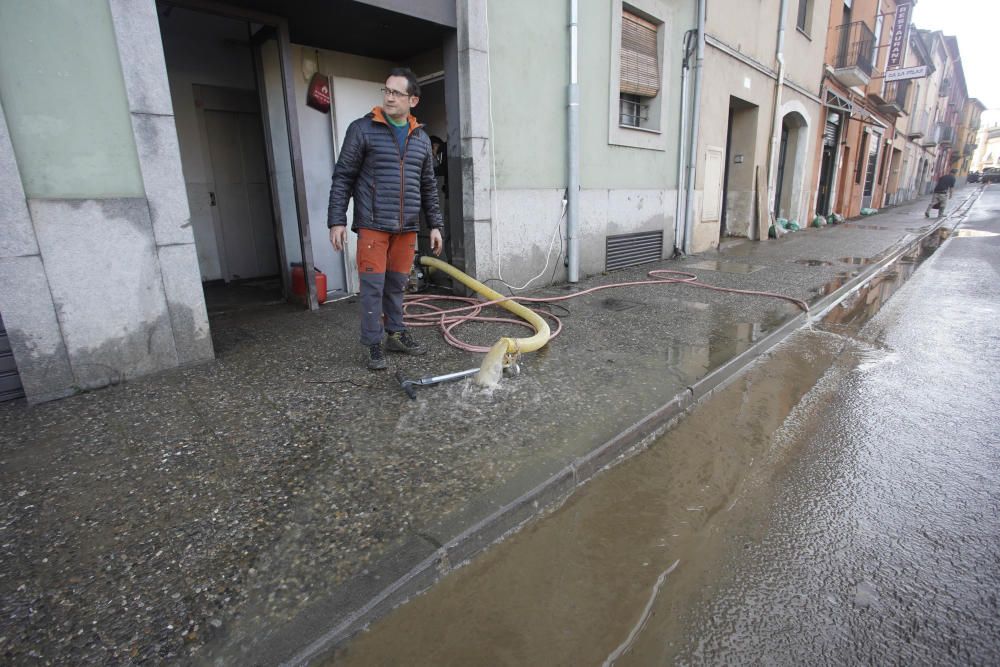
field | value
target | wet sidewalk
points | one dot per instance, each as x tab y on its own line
257	509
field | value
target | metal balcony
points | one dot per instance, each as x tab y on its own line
947	136
933	135
917	124
855	54
894	98
969	150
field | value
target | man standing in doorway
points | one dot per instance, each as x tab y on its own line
387	166
942	193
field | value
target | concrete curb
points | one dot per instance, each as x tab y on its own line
560	486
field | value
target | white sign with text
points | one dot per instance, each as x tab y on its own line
907	73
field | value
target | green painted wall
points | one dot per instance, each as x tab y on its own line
529	50
529	65
64	98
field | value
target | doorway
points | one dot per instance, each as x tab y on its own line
270	59
791	166
216	96
241	199
738	187
874	145
828	162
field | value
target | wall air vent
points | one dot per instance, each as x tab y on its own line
10	381
633	249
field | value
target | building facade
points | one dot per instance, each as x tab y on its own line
987	152
159	156
190	162
758	117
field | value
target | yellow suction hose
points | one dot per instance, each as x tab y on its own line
505	347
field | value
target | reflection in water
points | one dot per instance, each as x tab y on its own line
690	363
887	282
585	585
724	267
837	283
589	583
813	262
854	225
974	233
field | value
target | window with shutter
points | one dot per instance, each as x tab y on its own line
804	19
641	55
640	70
639	82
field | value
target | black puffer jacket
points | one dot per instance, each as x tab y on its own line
389	189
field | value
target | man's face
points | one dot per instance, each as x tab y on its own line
397	102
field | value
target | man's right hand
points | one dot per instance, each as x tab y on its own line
338	235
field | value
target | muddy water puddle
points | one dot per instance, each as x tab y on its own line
724	267
572	588
604	578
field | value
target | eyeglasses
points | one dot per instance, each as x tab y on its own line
390	93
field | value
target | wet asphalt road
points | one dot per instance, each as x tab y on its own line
838	504
881	540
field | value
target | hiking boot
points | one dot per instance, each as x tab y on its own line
402	341
376	358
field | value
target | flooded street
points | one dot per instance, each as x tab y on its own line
838	503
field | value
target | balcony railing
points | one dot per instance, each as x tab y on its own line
894	97
933	134
947	135
918	124
856	47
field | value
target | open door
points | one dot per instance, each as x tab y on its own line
352	99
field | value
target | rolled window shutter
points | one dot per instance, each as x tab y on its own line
640	71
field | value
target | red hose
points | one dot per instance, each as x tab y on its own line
448	319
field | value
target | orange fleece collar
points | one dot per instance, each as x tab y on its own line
379	117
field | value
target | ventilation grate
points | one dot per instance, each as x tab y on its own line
10	381
633	249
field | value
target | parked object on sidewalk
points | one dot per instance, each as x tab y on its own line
835	219
410	385
869	211
299	282
819	221
782	226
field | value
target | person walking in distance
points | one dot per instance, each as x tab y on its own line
387	166
942	193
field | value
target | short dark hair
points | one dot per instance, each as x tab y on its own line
412	85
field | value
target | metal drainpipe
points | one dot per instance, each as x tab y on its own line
573	123
772	164
693	137
680	208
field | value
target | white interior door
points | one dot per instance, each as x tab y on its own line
352	99
241	197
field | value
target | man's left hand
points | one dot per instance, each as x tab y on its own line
437	243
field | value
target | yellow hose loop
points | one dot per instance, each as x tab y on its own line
515	346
